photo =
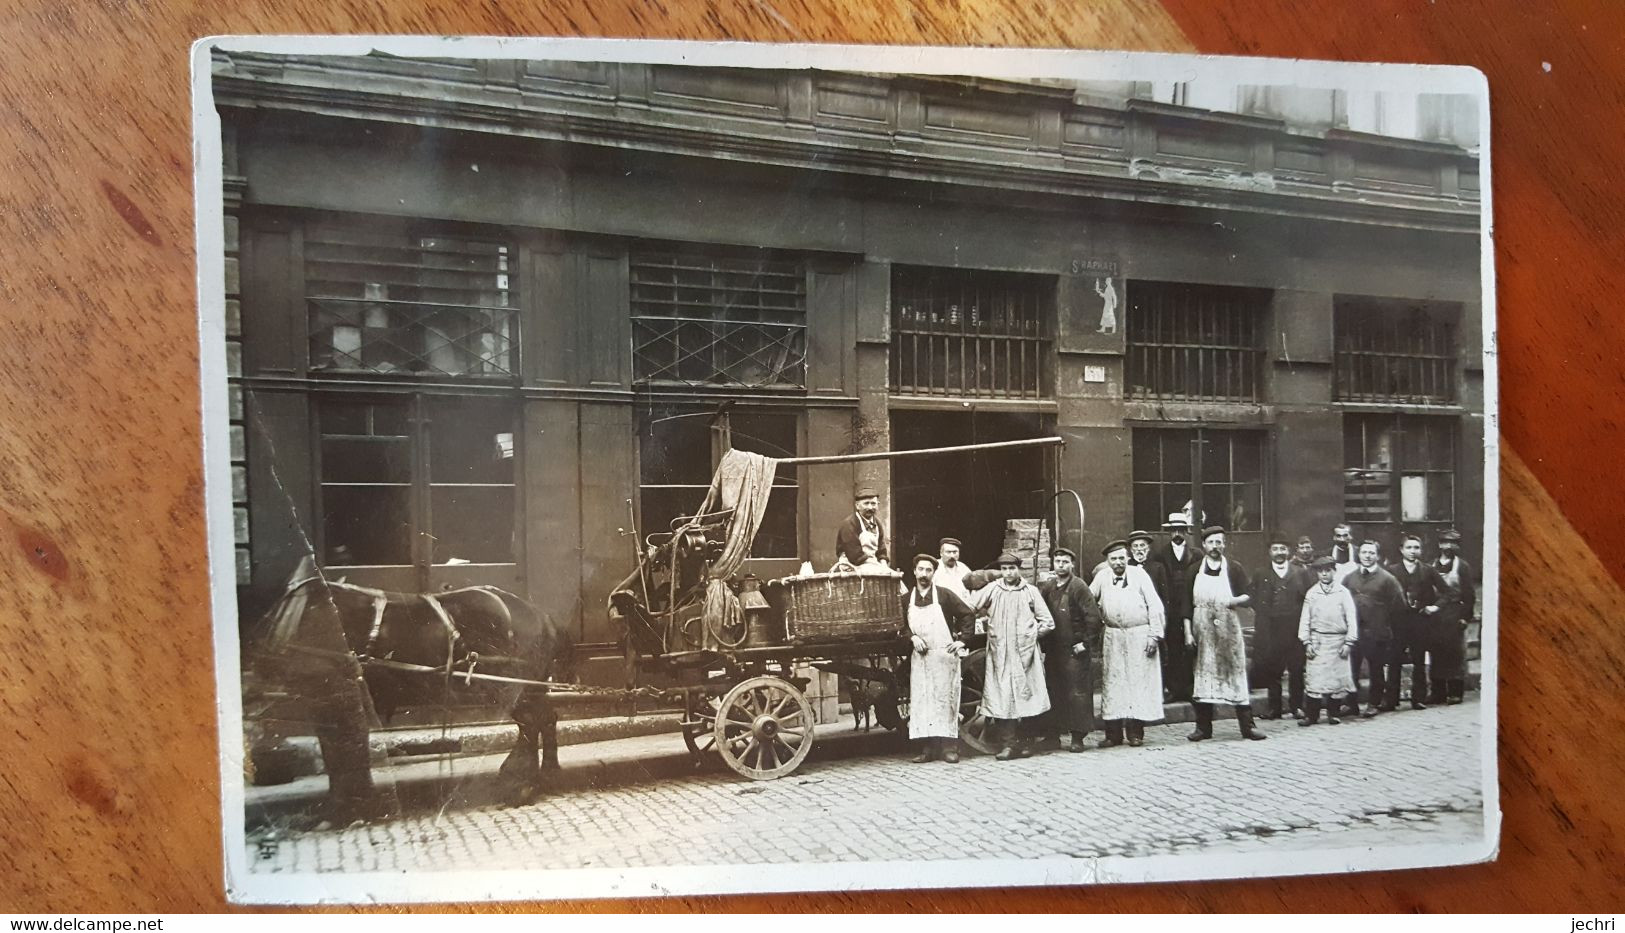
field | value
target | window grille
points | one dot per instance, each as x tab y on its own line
971	333
679	450
1399	469
421	305
1395	351
1232	476
719	320
1194	342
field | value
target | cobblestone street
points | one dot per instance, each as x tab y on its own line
1403	778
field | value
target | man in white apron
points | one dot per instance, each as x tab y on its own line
1131	692
1014	688
937	620
1218	587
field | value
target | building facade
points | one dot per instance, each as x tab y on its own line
486	319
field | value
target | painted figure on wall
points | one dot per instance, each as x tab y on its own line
1108	306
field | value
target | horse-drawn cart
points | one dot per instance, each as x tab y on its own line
742	670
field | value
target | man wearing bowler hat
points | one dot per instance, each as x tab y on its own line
1068	649
1013	687
860	538
1278	595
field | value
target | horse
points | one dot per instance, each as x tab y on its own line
344	648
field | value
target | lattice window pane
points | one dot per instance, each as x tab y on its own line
1232	476
971	332
1194	342
737	319
1388	350
385	302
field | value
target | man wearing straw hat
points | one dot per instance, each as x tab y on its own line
1177	555
1014	688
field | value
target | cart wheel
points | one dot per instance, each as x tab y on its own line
764	728
972	724
699	726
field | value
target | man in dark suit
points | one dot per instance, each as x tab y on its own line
1378	600
1177	555
1278	595
1139	555
1067	651
1419	629
1455	612
861	538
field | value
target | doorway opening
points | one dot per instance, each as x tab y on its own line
966	496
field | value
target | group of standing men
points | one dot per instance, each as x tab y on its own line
1166	623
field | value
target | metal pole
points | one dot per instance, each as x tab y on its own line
896	454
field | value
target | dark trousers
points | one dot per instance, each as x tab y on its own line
1384	660
1115	729
1010	733
1281	653
1436	655
1178	664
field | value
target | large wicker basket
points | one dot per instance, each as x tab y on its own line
828	607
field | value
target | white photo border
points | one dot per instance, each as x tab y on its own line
245	886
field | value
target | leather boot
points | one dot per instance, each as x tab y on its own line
1114	734
1332	703
1136	733
928	751
1311	714
1244	718
1455	691
1204	722
1079	742
1006	731
949	749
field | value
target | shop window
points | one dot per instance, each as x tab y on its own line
417	481
680	448
1399	469
971	333
1232	476
736	319
1389	350
383	302
1194	342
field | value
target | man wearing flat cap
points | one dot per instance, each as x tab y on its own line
1278	595
860	538
1068	648
1131	675
1177	556
1455	609
1218	587
950	573
1014	689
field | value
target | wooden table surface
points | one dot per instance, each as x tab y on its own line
107	724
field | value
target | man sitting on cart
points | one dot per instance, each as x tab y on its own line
861	539
938	624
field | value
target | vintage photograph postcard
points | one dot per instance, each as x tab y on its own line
645	468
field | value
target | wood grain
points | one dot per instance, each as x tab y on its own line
108	726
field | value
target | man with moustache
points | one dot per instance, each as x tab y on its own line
938	623
1176	555
1278	595
950	573
1131	693
1344	553
1139	555
1455	610
1068	649
1418	631
1377	601
861	538
1218	587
